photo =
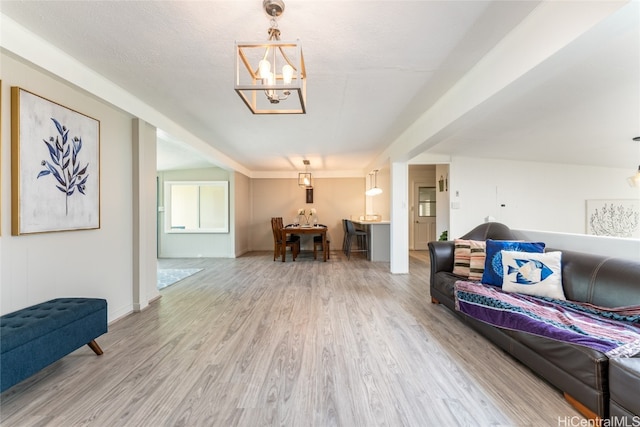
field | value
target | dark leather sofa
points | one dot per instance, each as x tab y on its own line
582	374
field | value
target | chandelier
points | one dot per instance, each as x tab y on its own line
270	75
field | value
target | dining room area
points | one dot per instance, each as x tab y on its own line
254	201
369	237
252	204
315	218
355	240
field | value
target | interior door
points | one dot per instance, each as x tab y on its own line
424	216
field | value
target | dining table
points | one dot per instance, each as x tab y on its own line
305	229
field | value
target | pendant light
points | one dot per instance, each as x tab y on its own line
634	180
304	178
374	191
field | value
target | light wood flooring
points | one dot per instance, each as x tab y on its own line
252	342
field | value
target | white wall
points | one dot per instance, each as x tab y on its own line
194	245
536	196
89	263
333	199
145	263
241	212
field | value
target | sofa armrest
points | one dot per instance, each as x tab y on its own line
441	257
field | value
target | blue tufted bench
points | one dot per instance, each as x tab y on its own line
37	336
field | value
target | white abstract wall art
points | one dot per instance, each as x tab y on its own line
617	218
55	154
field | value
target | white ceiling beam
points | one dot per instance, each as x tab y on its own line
24	44
546	30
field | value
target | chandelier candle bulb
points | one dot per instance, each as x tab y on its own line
265	69
287	74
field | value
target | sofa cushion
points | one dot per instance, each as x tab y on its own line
492	274
534	274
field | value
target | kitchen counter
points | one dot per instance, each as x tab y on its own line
379	237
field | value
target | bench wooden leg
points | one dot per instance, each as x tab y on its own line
93	345
434	301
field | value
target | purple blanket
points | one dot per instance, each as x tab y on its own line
590	326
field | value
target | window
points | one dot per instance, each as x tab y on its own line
196	206
427	201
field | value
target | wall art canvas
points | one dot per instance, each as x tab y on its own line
0	155
55	158
617	218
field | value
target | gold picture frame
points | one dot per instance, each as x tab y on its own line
55	166
0	157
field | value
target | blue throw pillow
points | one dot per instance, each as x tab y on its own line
493	262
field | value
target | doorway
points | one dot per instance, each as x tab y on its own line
424	215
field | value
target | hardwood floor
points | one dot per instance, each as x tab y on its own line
252	342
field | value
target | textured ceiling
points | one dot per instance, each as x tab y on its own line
373	68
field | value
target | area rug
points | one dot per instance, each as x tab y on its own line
169	276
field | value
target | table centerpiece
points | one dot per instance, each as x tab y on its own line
306	216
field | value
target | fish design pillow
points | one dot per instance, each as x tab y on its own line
492	274
536	274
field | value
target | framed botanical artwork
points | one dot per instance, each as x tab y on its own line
0	157
55	166
617	218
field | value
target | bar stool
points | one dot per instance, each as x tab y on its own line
344	236
360	237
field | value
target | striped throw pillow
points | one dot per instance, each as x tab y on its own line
477	258
461	257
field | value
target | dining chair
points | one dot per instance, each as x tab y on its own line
317	244
292	241
358	235
293	237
